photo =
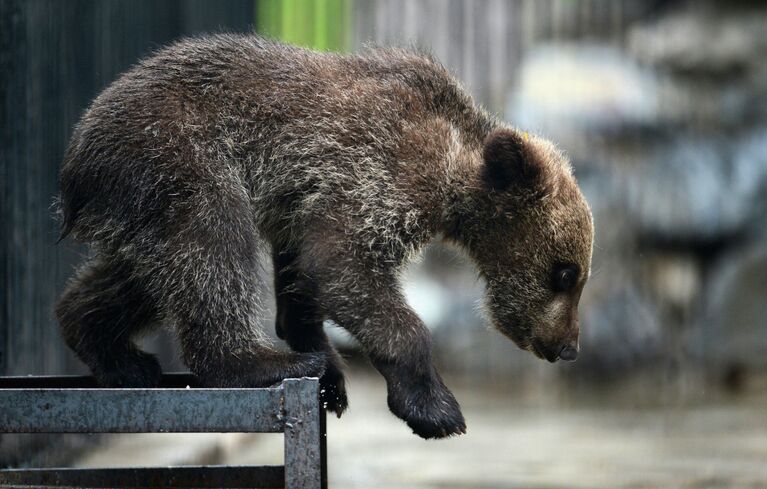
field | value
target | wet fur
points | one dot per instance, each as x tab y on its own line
344	165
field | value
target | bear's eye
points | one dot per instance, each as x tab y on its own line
565	278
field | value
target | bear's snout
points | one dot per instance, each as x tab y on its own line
553	351
569	352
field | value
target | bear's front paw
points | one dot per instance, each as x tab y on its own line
428	408
135	369
333	390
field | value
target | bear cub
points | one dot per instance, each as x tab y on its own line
344	167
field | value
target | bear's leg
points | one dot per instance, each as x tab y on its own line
299	323
211	273
369	304
101	309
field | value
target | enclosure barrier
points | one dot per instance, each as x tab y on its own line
72	404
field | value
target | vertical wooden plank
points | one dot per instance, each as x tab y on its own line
36	110
363	24
457	35
12	54
468	46
443	35
303	438
204	16
497	57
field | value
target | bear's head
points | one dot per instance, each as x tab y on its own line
531	238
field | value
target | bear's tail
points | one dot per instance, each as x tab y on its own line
66	224
72	198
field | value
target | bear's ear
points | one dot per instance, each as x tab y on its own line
507	163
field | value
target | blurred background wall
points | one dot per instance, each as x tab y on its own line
662	106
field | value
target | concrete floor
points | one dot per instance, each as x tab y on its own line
530	443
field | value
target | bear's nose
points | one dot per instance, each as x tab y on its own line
568	353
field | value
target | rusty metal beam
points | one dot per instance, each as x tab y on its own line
178	380
188	476
76	405
140	410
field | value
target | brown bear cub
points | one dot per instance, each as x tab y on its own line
345	166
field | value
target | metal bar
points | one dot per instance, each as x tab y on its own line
187	476
178	380
140	410
303	447
324	447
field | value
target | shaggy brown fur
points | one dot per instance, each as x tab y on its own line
346	166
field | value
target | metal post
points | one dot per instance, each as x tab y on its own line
304	437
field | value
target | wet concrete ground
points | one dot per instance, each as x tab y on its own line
531	443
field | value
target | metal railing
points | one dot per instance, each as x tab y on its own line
76	405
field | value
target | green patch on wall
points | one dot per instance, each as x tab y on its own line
324	25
